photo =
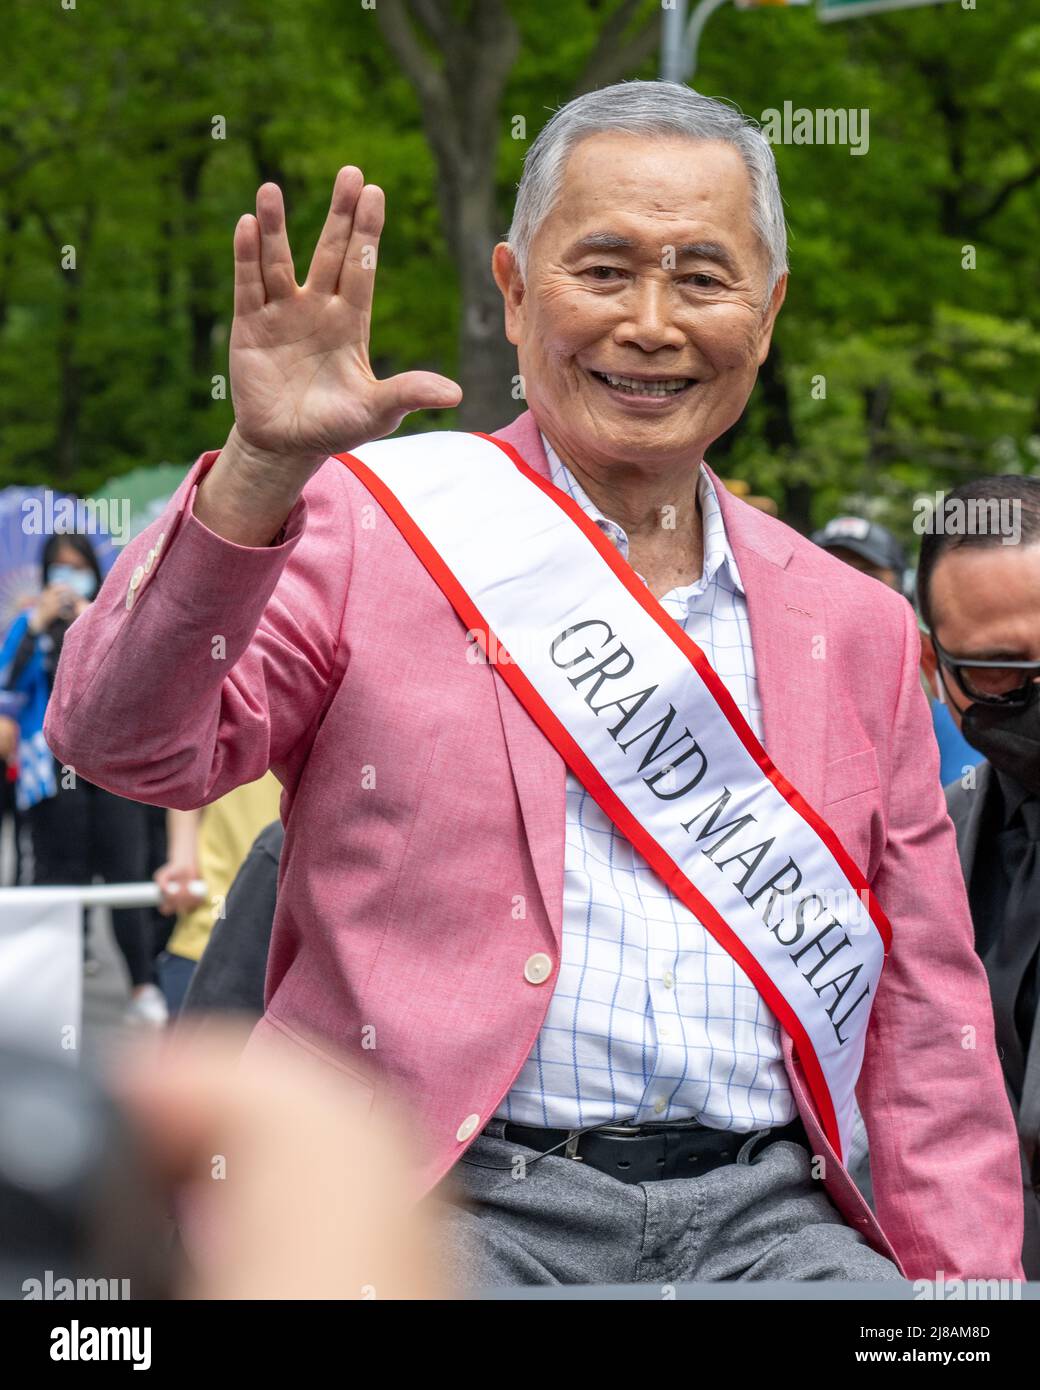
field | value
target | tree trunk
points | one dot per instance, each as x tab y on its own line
201	290
487	360
459	63
460	87
66	450
70	381
12	222
779	434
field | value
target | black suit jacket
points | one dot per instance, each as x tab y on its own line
971	810
230	975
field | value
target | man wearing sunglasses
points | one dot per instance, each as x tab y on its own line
979	597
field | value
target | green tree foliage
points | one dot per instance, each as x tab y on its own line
132	136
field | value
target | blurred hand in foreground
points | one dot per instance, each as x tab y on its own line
290	1190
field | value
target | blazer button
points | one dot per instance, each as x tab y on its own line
149	560
467	1127
136	577
538	968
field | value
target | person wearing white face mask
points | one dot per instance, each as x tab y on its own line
76	830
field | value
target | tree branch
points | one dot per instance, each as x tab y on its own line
496	42
437	21
613	57
427	78
1001	197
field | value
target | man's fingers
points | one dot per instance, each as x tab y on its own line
275	257
249	281
323	275
357	275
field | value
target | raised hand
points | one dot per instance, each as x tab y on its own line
301	381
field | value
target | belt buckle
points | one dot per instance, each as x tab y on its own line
571	1147
573	1136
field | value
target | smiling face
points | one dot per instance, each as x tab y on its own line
645	316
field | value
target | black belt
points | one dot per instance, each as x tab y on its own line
651	1151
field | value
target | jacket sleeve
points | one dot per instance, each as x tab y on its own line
943	1147
202	663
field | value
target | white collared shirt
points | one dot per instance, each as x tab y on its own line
650	1018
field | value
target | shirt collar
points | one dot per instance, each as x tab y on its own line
717	550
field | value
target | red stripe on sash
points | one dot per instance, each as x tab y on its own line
599	789
723	698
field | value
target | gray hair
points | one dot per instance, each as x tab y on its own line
648	108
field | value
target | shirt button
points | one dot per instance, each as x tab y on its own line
467	1127
668	979
660	1106
538	968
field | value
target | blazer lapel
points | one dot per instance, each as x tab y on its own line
540	778
1029	1110
539	773
788	619
788	632
969	828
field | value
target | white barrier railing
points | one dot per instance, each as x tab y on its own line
41	958
90	894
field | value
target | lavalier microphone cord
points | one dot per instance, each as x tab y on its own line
572	1135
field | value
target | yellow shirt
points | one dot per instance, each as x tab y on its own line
227	830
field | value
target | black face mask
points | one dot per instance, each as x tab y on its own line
1009	738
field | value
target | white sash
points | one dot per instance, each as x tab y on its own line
643	721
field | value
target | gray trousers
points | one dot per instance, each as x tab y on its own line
557	1221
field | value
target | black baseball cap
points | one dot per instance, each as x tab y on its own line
872	542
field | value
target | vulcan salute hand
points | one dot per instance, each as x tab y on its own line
301	381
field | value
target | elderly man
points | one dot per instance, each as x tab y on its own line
604	795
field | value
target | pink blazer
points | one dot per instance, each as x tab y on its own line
421	804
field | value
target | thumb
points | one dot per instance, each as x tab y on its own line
419	391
